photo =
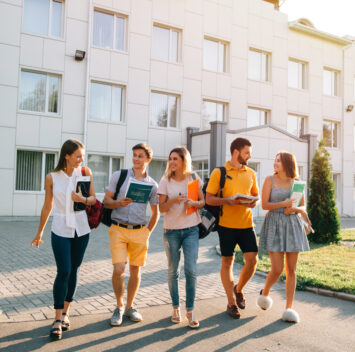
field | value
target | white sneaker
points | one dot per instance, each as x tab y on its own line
132	314
117	315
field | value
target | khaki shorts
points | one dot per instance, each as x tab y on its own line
129	242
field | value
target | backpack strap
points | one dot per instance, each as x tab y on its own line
123	176
222	182
83	171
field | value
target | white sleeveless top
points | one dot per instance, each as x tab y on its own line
65	220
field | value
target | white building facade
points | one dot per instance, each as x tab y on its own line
153	68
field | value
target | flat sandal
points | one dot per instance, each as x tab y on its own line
176	317
193	323
65	324
56	333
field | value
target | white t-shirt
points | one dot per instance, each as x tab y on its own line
176	218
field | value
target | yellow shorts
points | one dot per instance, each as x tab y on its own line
131	242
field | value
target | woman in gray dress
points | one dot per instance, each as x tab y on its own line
282	234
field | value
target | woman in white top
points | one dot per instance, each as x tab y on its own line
70	229
180	229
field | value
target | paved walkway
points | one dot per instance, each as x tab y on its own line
27	274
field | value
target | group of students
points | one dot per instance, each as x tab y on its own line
282	233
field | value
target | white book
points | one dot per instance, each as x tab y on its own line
244	198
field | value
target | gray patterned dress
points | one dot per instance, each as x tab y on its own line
281	232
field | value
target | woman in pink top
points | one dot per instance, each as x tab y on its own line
180	229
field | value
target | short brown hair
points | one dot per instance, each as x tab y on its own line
289	164
239	144
144	146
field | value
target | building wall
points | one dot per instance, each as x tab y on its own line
238	23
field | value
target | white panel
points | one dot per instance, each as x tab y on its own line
209	84
137	121
191	99
266	95
115	135
9	59
97	137
279	81
335	159
50	132
24	204
100	63
73	114
10	19
8	101
238	105
119	67
210	22
190	119
177	13
253	93
6	191
122	5
195	6
192	62
172	139
175	77
78	9
224	87
31	51
39	203
239	72
239	43
76	36
159	74
26	123
141	17
7	143
225	22
138	87
74	78
139	52
160	10
53	54
193	33
156	139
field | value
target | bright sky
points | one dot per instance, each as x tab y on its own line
332	16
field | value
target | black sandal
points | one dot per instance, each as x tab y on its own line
53	333
65	324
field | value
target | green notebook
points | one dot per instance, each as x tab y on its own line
297	191
138	191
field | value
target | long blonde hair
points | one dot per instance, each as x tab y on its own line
186	158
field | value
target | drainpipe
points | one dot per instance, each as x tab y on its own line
87	79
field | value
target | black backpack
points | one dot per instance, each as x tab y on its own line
210	213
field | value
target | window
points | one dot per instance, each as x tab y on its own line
105	102
300	172
214	55
211	111
256	117
201	168
163	110
32	168
331	134
296	125
109	31
39	92
296	74
156	169
330	82
43	17
258	65
102	167
165	44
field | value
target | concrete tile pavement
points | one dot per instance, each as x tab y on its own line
27	275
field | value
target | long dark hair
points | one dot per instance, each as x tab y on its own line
68	148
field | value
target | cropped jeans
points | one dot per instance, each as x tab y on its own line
68	254
187	240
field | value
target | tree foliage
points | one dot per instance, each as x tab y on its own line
321	207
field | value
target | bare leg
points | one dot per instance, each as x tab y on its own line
133	284
227	278
291	277
118	282
248	270
277	264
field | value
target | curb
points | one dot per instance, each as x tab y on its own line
319	291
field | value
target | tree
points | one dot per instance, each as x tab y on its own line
321	206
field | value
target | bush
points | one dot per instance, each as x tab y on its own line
321	206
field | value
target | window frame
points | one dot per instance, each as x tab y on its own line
303	124
268	64
335	88
178	97
123	101
114	34
224	113
205	162
267	115
333	123
178	44
46	112
303	75
110	172
225	46
43	168
50	20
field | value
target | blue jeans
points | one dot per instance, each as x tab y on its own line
68	254
174	240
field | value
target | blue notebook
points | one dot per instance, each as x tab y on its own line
138	191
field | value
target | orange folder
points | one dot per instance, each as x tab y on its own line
192	194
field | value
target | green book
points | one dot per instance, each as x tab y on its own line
138	191
297	191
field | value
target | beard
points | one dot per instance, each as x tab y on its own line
242	161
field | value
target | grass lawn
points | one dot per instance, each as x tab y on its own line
326	266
